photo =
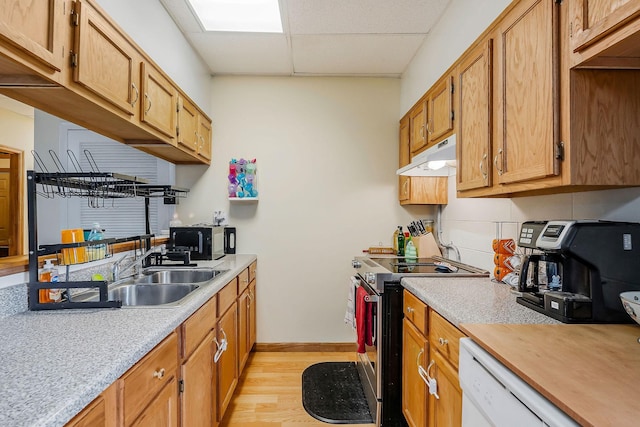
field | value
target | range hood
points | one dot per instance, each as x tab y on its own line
434	161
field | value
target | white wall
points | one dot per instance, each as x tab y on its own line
326	151
472	223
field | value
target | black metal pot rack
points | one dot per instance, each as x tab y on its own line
95	186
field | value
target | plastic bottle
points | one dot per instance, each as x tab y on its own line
410	251
400	241
96	251
395	241
49	273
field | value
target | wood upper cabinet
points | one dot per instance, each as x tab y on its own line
424	190
418	127
474	141
103	60
32	33
527	93
440	110
204	137
187	124
159	101
595	20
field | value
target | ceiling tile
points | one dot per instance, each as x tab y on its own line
362	16
353	54
241	53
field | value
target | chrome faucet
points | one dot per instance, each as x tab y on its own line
117	272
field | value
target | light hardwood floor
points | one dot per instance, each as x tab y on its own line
269	393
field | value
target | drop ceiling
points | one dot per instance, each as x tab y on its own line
321	38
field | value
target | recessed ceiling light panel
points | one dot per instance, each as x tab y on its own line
254	16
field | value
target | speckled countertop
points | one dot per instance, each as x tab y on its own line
54	363
473	300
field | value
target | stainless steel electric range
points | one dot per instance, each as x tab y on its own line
380	365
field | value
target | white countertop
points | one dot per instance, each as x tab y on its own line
54	363
473	300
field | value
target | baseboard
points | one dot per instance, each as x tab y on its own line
307	346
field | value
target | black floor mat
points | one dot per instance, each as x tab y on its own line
332	393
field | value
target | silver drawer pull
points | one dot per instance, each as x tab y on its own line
443	341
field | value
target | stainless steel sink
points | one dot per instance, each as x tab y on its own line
157	275
156	287
139	295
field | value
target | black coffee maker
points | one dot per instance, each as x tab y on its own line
579	269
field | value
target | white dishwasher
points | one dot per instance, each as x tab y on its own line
492	395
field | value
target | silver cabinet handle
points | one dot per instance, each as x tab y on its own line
222	346
410	310
443	341
495	162
483	171
146	97
159	374
133	102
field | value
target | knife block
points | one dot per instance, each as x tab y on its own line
426	246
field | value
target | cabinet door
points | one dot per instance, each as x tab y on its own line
595	19
446	409
227	366
104	59
93	415
159	101
474	118
404	188
404	149
418	127
426	190
253	320
440	110
198	395
414	390
528	93
163	410
187	125
35	28
243	329
204	137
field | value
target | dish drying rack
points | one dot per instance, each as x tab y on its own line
97	187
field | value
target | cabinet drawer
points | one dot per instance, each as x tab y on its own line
243	280
196	327
227	296
252	271
415	311
143	382
444	337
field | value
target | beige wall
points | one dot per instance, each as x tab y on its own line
326	151
17	133
472	223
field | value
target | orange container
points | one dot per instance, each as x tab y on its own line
500	272
504	246
73	255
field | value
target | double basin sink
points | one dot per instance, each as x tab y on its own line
156	287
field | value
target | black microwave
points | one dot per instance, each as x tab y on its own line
204	243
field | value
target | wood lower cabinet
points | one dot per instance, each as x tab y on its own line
430	353
198	395
163	410
144	381
445	409
253	313
99	413
415	351
227	365
244	307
